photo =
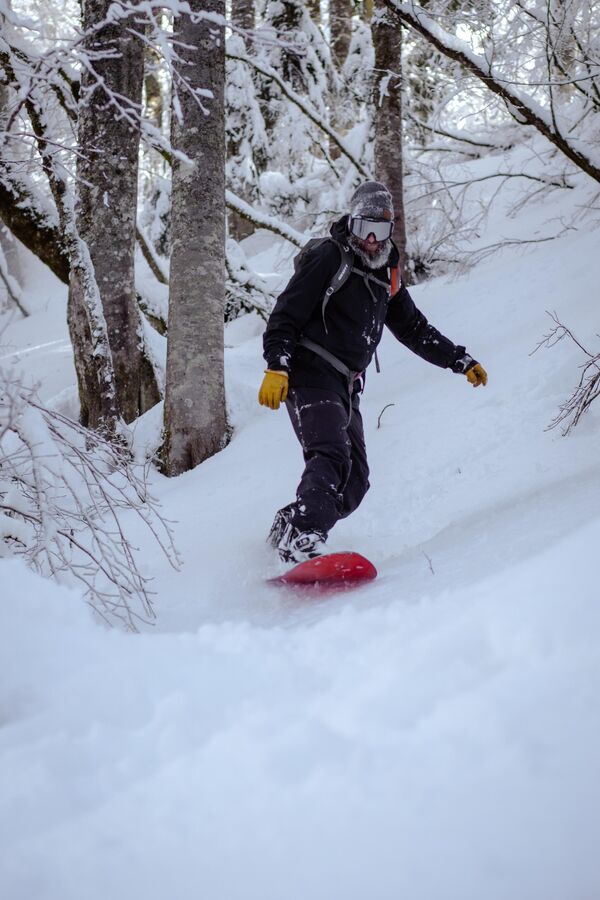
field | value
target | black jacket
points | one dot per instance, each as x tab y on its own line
352	324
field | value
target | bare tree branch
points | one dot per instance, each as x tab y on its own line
66	499
588	387
150	257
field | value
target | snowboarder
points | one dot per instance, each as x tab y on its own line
320	338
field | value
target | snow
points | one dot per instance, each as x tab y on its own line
433	734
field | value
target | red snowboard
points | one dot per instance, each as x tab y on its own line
343	569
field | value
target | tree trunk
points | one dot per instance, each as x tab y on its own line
314	8
340	28
561	45
286	17
387	113
195	416
340	23
106	217
153	91
243	14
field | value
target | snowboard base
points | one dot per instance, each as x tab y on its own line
333	569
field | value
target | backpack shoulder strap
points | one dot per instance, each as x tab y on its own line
341	276
306	249
344	268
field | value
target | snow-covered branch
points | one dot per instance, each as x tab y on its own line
263	220
246	291
523	105
150	256
21	214
299	101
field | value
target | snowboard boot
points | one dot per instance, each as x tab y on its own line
297	546
282	517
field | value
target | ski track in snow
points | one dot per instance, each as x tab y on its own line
434	734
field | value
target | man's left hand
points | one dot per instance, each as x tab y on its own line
476	375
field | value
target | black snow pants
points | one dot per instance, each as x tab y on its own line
336	474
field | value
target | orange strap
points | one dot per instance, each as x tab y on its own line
395	280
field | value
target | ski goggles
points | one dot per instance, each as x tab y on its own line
362	228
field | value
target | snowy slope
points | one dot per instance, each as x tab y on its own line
432	735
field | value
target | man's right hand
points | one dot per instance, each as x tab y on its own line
274	389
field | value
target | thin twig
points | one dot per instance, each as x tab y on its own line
428	558
387	406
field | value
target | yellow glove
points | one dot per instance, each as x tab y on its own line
477	375
274	389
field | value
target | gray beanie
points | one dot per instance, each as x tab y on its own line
372	200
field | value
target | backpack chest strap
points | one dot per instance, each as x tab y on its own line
367	277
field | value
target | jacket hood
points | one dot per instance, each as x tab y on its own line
339	232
